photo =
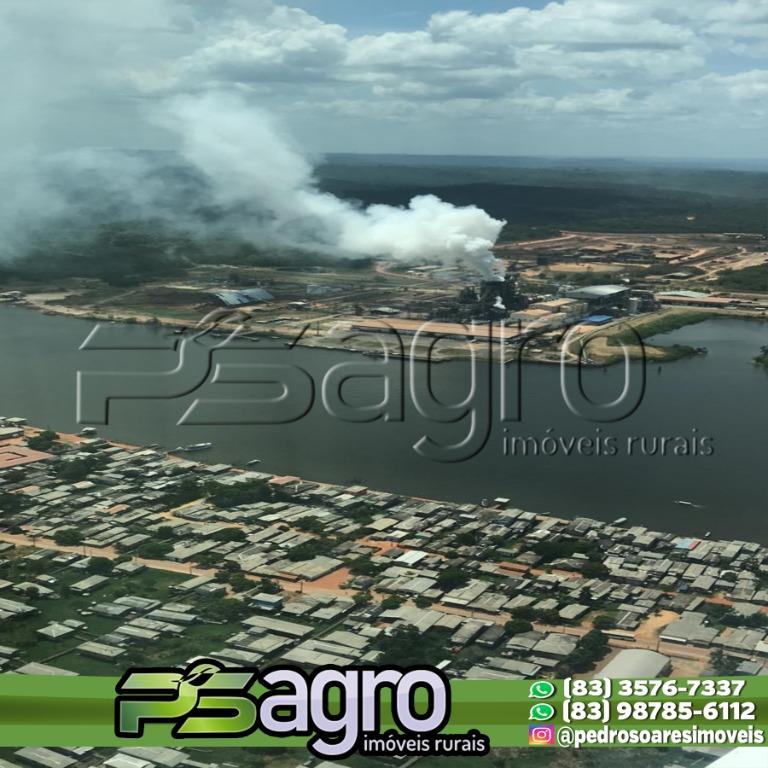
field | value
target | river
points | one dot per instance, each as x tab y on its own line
715	404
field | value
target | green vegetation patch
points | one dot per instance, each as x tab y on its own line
747	279
663	324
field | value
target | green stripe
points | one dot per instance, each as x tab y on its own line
71	711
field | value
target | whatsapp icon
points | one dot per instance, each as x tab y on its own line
542	689
542	712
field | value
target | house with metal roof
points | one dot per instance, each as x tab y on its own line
636	662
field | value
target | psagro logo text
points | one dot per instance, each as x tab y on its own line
340	710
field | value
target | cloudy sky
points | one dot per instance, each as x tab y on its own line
626	78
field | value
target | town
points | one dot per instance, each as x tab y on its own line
117	555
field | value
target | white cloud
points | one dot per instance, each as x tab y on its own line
586	44
738	19
590	60
286	44
574	24
404	50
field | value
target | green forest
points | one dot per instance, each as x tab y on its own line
536	202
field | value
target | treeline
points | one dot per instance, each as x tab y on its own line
592	201
620	174
123	254
132	253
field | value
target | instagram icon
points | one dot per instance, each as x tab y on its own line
541	735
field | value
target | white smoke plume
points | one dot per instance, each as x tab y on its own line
239	163
73	102
248	161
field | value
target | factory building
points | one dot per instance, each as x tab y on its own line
496	298
242	297
538	319
694	299
569	307
601	296
436	329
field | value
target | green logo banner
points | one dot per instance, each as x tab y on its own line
337	712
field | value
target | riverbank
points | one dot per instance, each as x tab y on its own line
656	325
606	345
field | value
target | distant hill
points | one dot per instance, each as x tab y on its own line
596	201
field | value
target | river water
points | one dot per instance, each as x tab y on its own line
711	410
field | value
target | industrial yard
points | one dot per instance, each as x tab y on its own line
590	286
